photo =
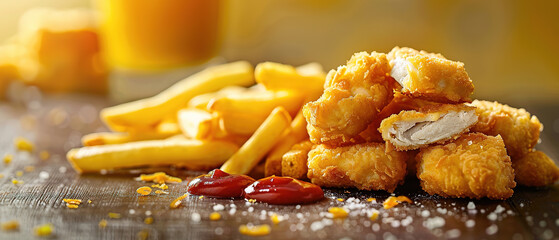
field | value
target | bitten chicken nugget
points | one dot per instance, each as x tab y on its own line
364	166
519	130
430	123
354	94
294	162
474	165
430	76
535	169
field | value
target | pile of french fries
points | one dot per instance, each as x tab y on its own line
231	115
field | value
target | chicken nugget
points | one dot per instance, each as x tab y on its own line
364	166
519	130
354	94
535	169
427	124
294	162
474	166
430	76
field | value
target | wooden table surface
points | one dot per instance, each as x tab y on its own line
56	123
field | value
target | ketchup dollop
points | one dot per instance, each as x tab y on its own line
219	184
283	190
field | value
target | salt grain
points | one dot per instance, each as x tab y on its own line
470	223
195	217
148	213
499	209
218	207
425	213
62	169
492	229
44	175
435	222
376	227
471	205
454	233
492	216
315	226
131	211
547	234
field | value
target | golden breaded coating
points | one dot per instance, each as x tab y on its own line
519	130
354	94
430	76
474	165
364	166
535	169
294	162
430	123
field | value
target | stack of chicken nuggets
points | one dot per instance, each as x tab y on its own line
382	112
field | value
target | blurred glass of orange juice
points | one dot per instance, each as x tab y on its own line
154	35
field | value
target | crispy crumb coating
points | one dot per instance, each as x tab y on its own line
354	94
535	169
474	166
427	123
364	166
294	162
430	76
519	130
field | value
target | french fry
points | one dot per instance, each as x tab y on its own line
241	124
201	101
106	138
168	126
197	124
296	133
257	103
259	143
194	154
148	112
294	162
276	76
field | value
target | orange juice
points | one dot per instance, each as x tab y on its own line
159	34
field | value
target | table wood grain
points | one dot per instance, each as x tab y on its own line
56	123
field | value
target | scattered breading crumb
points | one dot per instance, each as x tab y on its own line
275	219
392	201
44	230
160	186
16	182
144	190
102	223
114	215
8	158
161	192
177	202
23	144
159	178
338	212
44	155
255	230
19	173
148	220
214	216
10	225
29	168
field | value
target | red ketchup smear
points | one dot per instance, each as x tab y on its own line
283	190
219	184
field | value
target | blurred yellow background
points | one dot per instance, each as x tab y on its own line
509	47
